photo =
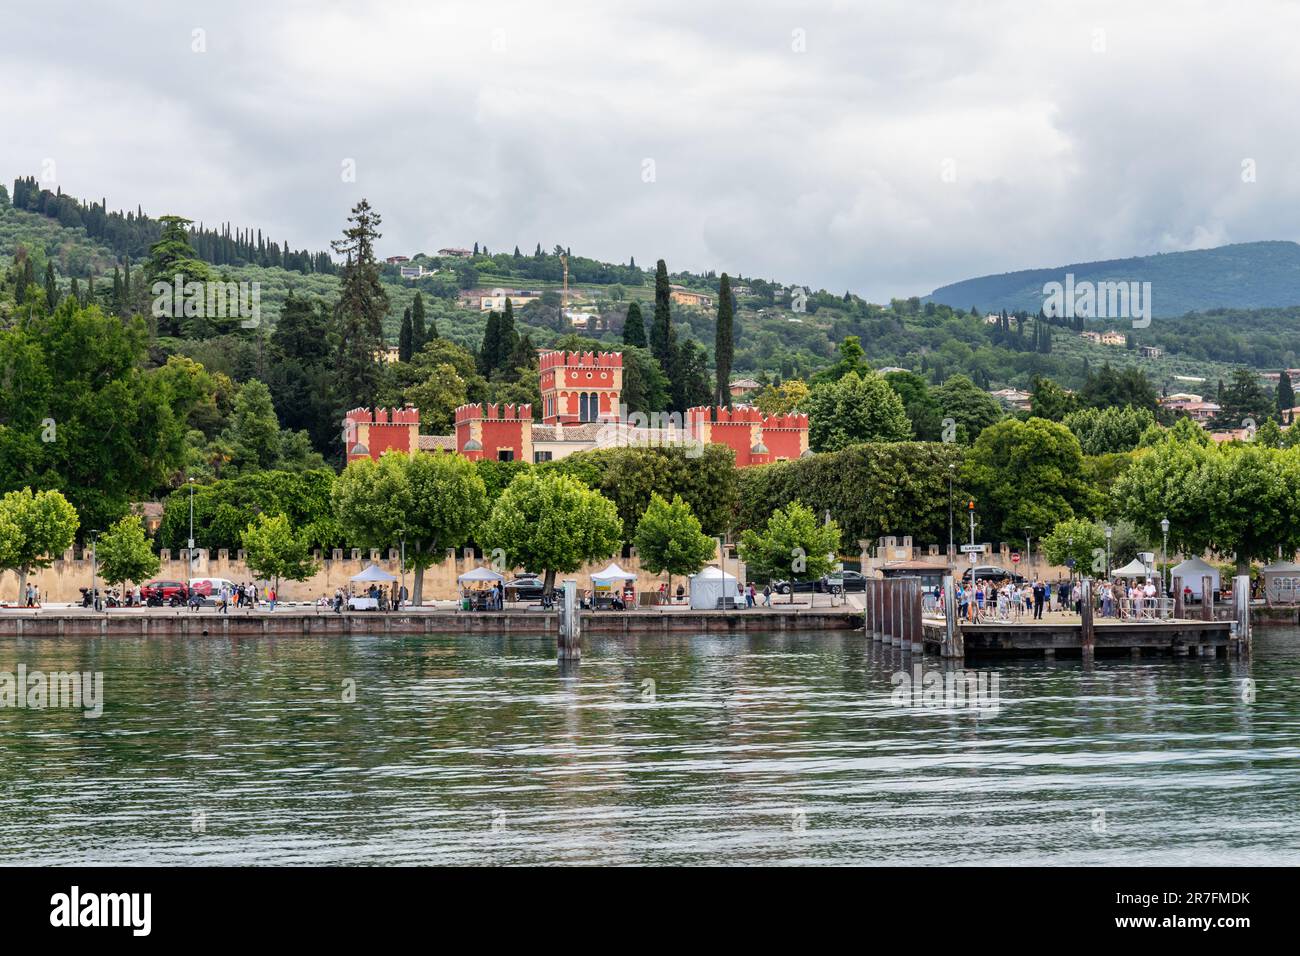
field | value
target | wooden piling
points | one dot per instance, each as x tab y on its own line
914	605
1241	611
1179	609
1207	598
1087	635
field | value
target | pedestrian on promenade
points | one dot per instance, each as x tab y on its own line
1040	596
749	596
767	595
225	598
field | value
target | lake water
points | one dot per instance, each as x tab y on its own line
658	750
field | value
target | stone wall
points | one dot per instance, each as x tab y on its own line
60	581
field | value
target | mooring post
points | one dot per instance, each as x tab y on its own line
1179	610
886	611
1087	636
914	601
569	646
1241	608
869	608
949	617
899	636
1207	598
905	615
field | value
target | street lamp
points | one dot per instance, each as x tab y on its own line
94	568
1109	531
952	471
1164	554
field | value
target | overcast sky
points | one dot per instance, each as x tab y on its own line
883	147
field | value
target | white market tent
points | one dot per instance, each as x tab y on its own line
1191	571
611	574
710	586
1134	569
376	574
480	575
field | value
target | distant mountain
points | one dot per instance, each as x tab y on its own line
1248	275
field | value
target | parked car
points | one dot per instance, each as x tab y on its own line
209	589
526	587
797	587
851	581
993	572
169	592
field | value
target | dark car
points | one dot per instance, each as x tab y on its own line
992	572
526	587
796	587
169	592
850	581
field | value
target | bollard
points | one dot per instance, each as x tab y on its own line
1087	635
1241	609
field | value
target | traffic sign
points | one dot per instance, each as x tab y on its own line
973	548
1015	557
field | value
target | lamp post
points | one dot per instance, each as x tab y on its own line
1109	531
952	471
1164	554
94	568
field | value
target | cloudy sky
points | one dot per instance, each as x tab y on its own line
884	147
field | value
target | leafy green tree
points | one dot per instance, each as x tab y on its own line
273	551
724	349
222	509
919	404
1108	388
1109	430
171	256
360	310
1048	400
552	523
669	540
124	553
433	502
634	326
254	431
793	545
1026	477
1244	399
1079	543
970	407
645	387
855	409
35	528
690	377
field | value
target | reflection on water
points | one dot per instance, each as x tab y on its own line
659	749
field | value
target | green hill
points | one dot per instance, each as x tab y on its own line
1248	275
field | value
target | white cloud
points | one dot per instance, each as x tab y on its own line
516	123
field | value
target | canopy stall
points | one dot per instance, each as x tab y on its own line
1281	581
476	589
709	587
1191	571
374	574
1134	569
607	582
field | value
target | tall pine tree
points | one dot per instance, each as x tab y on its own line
724	345
51	290
361	308
1285	392
634	326
404	337
487	354
663	341
419	333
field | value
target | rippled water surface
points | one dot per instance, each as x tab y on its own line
663	749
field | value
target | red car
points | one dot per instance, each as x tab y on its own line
171	592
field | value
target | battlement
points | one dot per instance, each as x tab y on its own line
494	413
580	360
714	415
410	415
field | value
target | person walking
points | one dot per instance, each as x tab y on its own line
225	598
767	595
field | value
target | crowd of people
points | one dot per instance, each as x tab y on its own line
1004	599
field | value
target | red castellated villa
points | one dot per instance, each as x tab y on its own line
580	411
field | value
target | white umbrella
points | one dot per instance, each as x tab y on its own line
374	573
480	574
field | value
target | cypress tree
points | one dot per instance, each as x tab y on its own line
404	337
724	345
1285	393
487	354
20	276
360	310
634	326
419	335
663	343
51	291
507	338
